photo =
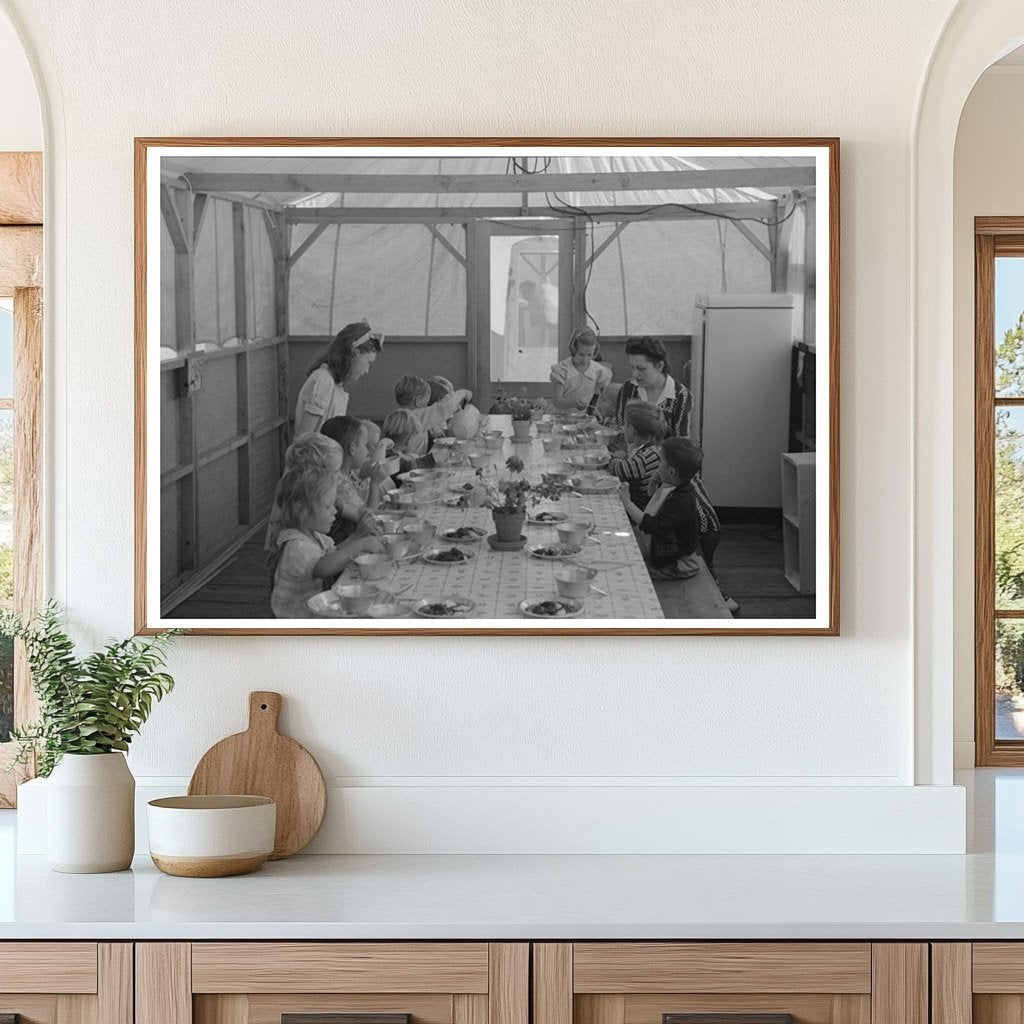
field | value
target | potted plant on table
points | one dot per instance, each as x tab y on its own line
521	410
89	709
509	500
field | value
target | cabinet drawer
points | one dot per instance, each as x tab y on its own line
66	982
340	967
64	967
635	967
730	983
332	983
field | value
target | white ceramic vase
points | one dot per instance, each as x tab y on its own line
90	814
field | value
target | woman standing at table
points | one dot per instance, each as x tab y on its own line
325	392
651	381
579	379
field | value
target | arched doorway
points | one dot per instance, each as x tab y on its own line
977	33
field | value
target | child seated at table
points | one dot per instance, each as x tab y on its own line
413	393
605	408
307	557
356	497
402	428
644	429
669	527
311	451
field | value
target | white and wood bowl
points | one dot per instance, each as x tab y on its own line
211	836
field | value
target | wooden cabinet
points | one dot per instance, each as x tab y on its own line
332	983
977	983
66	982
747	982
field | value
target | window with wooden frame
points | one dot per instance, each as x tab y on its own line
999	490
21	364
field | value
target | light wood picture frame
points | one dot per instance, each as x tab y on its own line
706	269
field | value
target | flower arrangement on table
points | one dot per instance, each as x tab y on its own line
518	407
510	497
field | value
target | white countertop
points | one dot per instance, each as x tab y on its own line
977	896
517	897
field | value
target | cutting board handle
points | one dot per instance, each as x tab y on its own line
264	710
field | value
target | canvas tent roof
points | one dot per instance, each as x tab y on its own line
300	171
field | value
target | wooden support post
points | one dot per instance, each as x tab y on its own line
199	207
182	212
753	239
281	273
242	396
473	377
580	266
773	245
612	237
306	243
448	245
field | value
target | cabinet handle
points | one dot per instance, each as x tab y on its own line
726	1018
337	1018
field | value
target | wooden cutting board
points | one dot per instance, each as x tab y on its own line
262	762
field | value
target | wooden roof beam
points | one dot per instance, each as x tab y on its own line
462	214
456	184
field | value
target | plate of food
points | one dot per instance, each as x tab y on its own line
327	605
551	608
553	552
448	556
414	499
595	483
463	535
443	608
422	475
462	488
589	460
547	518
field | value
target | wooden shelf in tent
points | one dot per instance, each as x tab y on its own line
798	520
224	404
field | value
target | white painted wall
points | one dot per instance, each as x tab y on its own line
429	716
987	182
21	126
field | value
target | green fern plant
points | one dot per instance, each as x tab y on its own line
90	705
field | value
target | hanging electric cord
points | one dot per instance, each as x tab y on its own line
590	266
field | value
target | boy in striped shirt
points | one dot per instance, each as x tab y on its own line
644	429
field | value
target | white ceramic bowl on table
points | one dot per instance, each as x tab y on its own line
356	598
574	533
574	582
211	836
420	530
374	566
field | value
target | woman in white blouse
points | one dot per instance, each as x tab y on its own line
580	378
326	390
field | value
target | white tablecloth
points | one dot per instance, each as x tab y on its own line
497	581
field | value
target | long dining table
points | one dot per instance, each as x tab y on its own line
497	581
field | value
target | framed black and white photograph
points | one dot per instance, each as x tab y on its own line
451	386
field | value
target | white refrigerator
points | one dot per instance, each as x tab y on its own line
740	373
